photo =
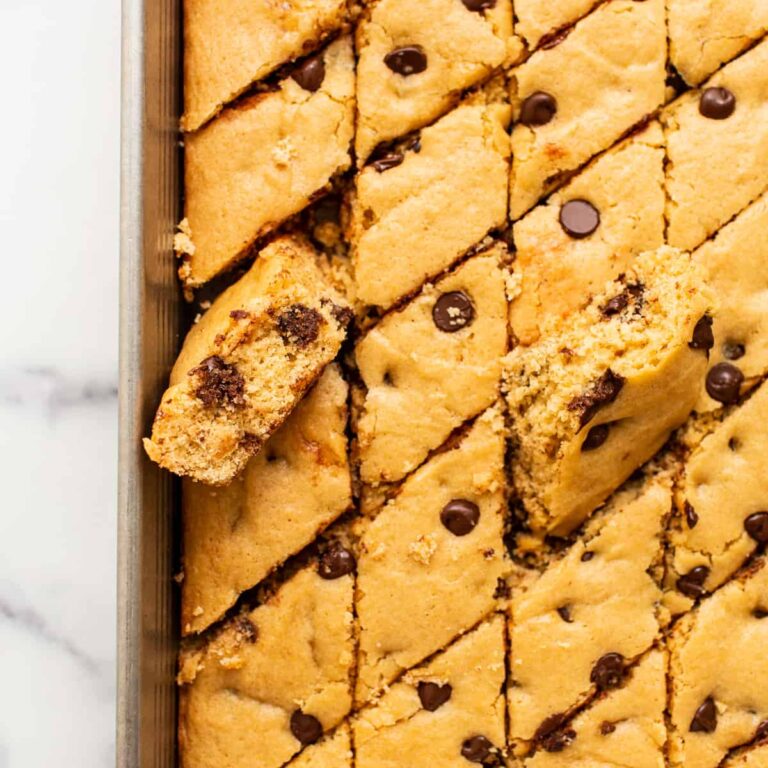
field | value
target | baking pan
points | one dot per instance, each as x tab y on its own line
150	316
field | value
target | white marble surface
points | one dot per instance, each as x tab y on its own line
59	142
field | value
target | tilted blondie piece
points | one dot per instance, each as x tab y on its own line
542	22
577	628
561	120
703	34
719	666
236	535
431	366
270	681
736	262
722	503
246	364
726	121
588	232
446	713
429	562
624	727
594	399
229	45
415	213
414	59
262	160
331	752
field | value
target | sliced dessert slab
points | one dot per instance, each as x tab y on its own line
719	699
246	364
448	712
722	503
418	209
229	44
623	728
563	118
271	680
577	627
726	122
300	483
736	263
542	22
439	543
431	366
703	34
561	264
414	59
597	397
262	160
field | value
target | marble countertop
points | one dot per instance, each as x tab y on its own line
59	153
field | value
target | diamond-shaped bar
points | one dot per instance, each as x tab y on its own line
598	603
414	59
736	262
236	535
263	160
719	699
597	397
247	362
432	714
438	542
559	270
722	503
420	208
624	727
562	121
427	372
703	34
271	680
231	44
717	149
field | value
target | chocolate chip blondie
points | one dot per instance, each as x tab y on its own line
474	444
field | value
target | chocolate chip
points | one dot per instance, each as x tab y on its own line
476	749
724	383
335	562
433	695
603	391
299	325
502	591
408	60
219	383
717	103
246	629
564	611
310	74
587	556
342	315
552	736
733	351
616	305
306	728
762	731
734	444
595	437
691	584
579	218
705	718
760	613
608	671
690	515
553	39
756	525
703	338
453	311
460	516
239	314
538	109
478	5
607	727
390	160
